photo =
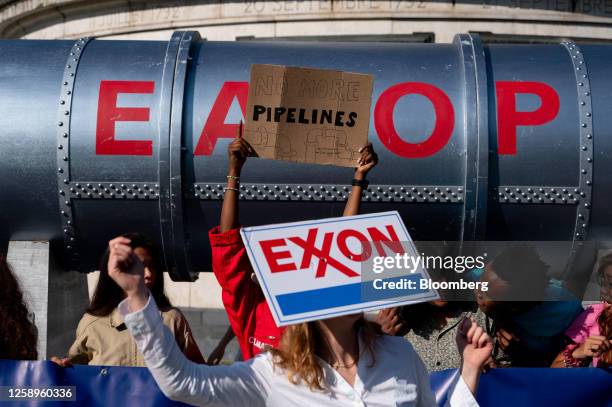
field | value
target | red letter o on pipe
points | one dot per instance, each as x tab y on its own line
383	120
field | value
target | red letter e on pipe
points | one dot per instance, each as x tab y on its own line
109	113
508	118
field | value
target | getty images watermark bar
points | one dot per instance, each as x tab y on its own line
497	270
25	393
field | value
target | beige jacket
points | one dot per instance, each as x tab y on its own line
106	340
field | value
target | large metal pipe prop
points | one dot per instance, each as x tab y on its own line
502	142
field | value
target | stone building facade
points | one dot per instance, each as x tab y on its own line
384	20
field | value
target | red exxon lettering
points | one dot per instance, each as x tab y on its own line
325	259
366	249
391	241
272	257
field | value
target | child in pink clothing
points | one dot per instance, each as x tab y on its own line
590	334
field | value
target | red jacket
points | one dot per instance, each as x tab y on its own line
244	302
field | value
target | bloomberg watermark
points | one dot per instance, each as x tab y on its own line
503	271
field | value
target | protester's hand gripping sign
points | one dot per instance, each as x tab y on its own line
320	269
308	115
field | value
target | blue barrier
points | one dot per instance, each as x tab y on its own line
541	387
95	385
129	386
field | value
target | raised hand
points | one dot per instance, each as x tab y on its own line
367	161
238	151
128	272
475	347
390	321
505	338
474	344
594	346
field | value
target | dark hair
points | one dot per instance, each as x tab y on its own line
18	335
525	272
424	318
108	294
605	318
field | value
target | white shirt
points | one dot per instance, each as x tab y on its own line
398	378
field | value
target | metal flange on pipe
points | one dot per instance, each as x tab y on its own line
476	141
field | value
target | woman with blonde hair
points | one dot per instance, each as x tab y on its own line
337	361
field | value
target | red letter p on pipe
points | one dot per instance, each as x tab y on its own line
508	118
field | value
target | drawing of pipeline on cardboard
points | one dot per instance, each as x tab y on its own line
327	144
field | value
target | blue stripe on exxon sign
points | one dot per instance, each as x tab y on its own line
339	296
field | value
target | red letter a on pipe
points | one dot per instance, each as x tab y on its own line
109	113
215	126
508	118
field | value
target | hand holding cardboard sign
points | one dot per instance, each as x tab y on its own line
238	151
308	115
367	161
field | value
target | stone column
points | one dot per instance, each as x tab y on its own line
56	297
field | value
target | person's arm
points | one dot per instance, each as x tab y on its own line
241	384
559	360
581	346
565	358
230	262
185	340
475	347
78	353
366	162
217	354
582	354
458	394
237	152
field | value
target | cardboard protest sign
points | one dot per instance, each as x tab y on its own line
308	115
320	269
